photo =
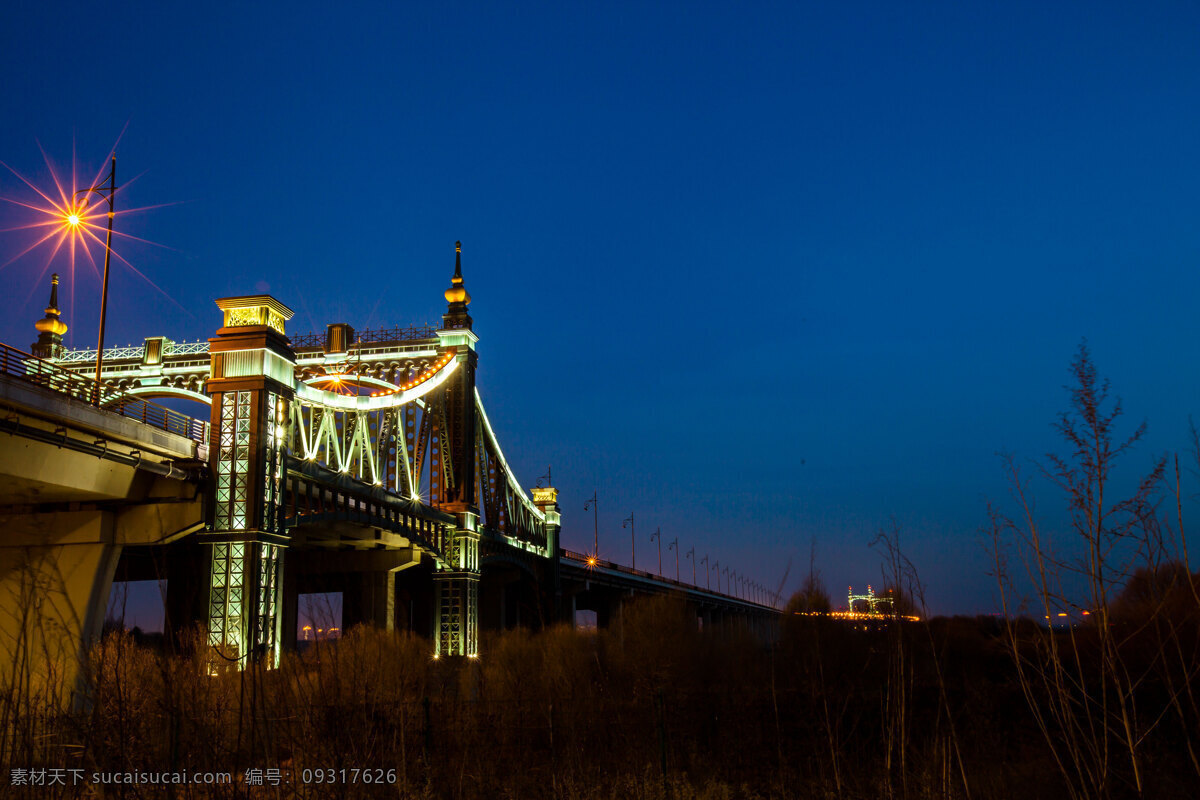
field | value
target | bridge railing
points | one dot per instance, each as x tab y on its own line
397	334
41	372
599	562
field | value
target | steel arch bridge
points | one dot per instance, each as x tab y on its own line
359	461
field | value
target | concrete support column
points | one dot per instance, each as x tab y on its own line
186	606
289	610
56	572
570	610
370	599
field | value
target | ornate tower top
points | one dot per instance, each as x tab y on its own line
456	317
50	328
251	310
457	294
51	323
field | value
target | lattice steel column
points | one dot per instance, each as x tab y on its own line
252	384
456	624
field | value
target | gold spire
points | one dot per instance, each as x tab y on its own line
457	293
52	323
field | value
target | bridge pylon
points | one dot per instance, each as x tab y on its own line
546	500
251	384
452	477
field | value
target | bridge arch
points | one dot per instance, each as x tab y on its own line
152	392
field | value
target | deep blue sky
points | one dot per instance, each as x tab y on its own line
760	274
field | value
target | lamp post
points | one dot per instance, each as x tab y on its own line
674	545
594	505
73	219
691	554
632	540
717	566
707	573
656	537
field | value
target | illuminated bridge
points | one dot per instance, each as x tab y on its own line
362	463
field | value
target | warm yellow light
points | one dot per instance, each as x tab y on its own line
73	220
591	561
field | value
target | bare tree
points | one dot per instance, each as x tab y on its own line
1077	680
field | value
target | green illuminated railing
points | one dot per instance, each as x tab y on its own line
41	372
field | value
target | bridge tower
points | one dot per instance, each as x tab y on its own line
546	499
251	384
452	477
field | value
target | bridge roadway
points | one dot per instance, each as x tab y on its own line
364	464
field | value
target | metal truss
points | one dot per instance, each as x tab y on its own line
392	433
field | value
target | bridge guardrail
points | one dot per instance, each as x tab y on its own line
590	561
397	334
43	373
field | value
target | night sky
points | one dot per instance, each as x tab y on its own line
763	274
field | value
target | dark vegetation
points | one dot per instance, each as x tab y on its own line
1105	705
932	709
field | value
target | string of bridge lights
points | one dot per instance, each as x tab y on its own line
429	373
742	587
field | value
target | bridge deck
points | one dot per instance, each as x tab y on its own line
608	573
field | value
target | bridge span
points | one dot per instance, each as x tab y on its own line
360	462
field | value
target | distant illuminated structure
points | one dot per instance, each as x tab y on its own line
320	634
869	598
878	609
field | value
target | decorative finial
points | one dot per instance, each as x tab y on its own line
53	293
51	324
457	293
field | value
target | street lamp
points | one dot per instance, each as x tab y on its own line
707	571
594	504
717	566
633	540
74	220
656	536
691	554
674	545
